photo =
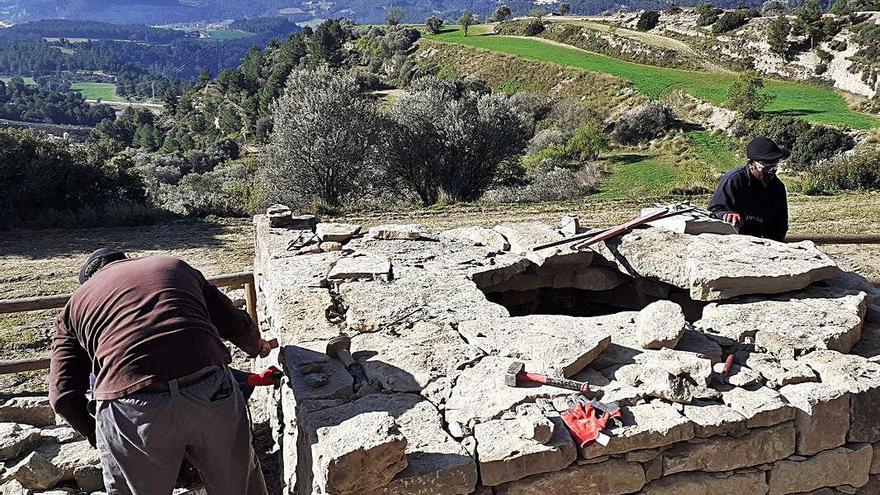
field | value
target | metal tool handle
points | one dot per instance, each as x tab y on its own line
577	386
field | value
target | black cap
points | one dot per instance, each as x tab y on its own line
765	150
97	260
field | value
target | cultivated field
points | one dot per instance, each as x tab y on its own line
98	91
813	103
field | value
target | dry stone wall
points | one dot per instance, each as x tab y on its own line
436	319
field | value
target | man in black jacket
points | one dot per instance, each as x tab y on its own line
751	197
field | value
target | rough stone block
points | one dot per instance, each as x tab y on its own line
69	456
846	465
660	324
645	426
504	455
436	463
817	318
13	488
361	266
60	434
777	371
299	360
745	483
725	266
359	454
868	345
34	411
337	232
89	478
300	314
524	236
534	424
695	222
821	416
861	379
15	439
35	472
761	407
718	454
612	477
697	343
557	345
672	375
712	419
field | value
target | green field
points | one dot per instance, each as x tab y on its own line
227	34
27	80
98	91
813	103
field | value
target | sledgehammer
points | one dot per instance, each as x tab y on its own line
517	374
339	347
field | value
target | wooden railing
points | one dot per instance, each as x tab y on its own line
235	280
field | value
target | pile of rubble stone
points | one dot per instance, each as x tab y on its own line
436	318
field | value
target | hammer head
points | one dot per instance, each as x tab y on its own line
513	371
336	344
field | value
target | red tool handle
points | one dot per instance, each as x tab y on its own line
556	382
270	376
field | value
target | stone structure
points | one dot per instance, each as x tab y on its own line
436	318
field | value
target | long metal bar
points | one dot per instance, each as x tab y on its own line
240	279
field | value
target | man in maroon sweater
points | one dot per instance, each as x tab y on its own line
151	330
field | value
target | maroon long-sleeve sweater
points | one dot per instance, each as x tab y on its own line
137	322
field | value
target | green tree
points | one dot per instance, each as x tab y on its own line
648	20
502	13
564	8
434	24
394	16
467	20
538	13
588	141
205	75
777	35
745	95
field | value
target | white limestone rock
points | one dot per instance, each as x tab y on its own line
694	222
479	237
712	418
15	439
337	232
761	407
361	266
410	232
611	477
660	324
672	375
841	466
821	416
816	318
557	345
35	472
504	455
524	236
718	454
645	426
34	411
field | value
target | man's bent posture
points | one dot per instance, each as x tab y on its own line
151	330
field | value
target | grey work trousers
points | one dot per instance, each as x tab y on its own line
142	439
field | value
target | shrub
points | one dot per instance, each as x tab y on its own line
745	95
648	20
588	141
821	68
732	20
325	141
547	137
643	124
708	16
534	28
857	171
434	24
819	143
554	184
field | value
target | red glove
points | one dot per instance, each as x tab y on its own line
583	424
271	376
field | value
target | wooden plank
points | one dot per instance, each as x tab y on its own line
240	279
21	365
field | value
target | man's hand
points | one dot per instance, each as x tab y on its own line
734	219
262	348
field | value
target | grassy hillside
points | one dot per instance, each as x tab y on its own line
813	103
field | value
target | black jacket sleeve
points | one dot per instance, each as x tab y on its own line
724	199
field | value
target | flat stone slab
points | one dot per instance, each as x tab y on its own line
35	472
694	222
361	266
646	426
480	394
816	318
504	455
655	254
300	314
745	483
660	324
409	232
699	344
612	477
726	266
414	295
672	375
479	236
34	411
760	446
308	357
337	232
409	361
841	466
557	345
15	439
777	371
69	456
436	463
761	407
821	416
524	236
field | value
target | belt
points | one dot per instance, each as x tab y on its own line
183	381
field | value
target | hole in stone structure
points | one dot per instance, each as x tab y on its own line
584	290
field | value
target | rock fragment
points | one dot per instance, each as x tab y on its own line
361	266
821	416
409	232
743	483
712	418
668	374
479	237
34	411
645	426
534	424
35	472
337	232
660	324
15	439
761	407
